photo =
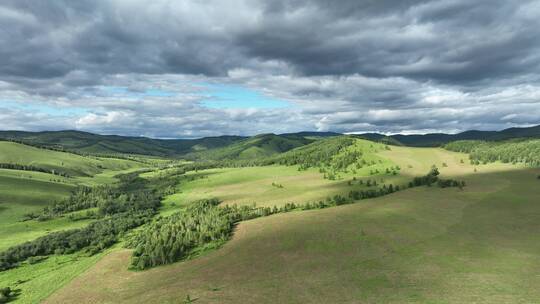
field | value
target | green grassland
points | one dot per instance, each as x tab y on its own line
259	146
420	245
254	185
38	281
88	143
72	164
23	192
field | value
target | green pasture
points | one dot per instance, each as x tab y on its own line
72	164
257	185
421	245
37	281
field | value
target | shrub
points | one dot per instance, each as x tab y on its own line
36	259
6	294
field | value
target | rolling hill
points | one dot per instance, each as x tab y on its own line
68	163
420	245
411	244
242	147
258	146
437	139
84	142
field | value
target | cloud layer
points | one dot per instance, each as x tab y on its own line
145	68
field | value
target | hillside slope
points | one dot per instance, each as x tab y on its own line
255	147
420	245
437	139
71	164
85	142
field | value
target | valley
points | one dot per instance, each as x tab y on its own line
329	219
269	152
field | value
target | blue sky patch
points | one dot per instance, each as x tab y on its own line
224	96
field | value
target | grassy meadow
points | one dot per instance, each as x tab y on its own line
37	281
420	245
72	164
23	192
257	185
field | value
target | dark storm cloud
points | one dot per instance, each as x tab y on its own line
371	65
447	41
440	40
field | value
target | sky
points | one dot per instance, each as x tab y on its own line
174	69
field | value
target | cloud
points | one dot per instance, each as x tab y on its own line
351	66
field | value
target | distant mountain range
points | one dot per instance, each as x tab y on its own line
437	139
84	142
222	147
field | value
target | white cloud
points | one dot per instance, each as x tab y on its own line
350	66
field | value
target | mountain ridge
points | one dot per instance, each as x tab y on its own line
91	143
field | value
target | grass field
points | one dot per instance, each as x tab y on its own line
38	281
421	245
23	192
71	164
254	185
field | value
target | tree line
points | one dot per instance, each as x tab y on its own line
525	151
120	210
32	168
109	198
204	224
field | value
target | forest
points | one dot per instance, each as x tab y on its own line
134	201
526	151
121	208
205	225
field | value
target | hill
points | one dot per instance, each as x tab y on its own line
237	146
312	134
259	146
32	178
420	245
340	243
525	151
437	139
61	162
84	142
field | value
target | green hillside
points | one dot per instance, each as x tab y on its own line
72	164
420	245
512	151
84	142
233	146
438	139
255	147
322	219
27	191
23	192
